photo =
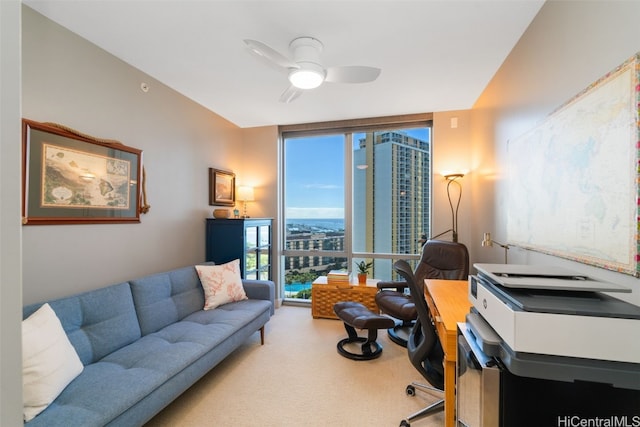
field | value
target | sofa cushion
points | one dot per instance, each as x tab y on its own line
222	284
49	361
165	298
96	322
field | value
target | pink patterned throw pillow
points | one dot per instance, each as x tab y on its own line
222	284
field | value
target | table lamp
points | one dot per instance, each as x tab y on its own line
245	194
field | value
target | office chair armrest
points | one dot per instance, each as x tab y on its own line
399	286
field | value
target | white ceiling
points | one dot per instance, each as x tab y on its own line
435	55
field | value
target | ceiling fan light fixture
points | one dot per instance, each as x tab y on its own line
309	76
304	66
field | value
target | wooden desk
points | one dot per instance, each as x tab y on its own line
449	304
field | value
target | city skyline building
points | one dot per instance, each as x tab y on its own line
392	180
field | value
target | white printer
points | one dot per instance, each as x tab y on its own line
549	322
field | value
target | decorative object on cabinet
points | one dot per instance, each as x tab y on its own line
248	240
222	188
221	213
72	178
245	194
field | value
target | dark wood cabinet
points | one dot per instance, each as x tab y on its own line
246	239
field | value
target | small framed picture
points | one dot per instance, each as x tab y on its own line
222	188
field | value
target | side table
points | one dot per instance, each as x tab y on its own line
324	296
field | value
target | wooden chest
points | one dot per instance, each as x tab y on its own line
324	296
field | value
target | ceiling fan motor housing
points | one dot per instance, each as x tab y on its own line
306	49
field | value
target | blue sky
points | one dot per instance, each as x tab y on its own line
315	175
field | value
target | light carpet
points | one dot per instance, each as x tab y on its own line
297	378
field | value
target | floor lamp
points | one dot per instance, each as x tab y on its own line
451	179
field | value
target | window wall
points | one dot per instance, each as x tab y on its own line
353	193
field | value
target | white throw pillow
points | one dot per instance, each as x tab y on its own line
221	283
49	361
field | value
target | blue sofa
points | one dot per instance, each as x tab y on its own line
144	342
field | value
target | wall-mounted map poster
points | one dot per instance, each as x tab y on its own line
573	179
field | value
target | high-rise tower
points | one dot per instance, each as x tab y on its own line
391	192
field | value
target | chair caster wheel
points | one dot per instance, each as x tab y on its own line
411	391
404	423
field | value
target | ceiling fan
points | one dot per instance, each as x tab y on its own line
305	69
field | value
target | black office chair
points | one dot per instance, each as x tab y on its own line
423	348
439	260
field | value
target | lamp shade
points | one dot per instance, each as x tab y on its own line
245	194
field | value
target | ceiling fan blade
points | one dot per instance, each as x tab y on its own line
352	74
290	94
270	54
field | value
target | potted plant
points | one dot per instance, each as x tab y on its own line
363	270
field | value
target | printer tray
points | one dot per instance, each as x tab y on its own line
567	302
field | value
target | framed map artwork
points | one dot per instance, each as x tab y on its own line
72	179
573	179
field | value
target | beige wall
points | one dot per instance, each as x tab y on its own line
71	81
258	167
452	154
10	227
568	46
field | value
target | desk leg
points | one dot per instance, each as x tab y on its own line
449	393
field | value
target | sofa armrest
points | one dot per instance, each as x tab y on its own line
261	289
399	286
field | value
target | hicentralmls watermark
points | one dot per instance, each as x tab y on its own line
612	421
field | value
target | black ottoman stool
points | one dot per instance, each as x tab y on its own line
355	315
